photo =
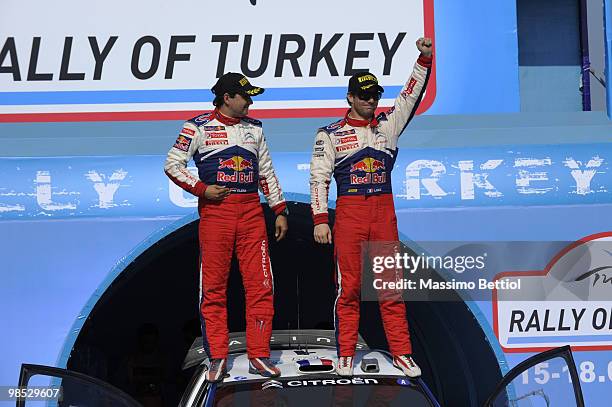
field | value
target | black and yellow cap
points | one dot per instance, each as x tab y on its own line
364	82
233	82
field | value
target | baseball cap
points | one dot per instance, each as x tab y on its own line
233	82
364	82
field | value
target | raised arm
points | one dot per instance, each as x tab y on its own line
406	103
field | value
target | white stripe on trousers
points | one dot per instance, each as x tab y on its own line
339	282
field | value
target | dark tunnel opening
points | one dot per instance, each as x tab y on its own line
139	331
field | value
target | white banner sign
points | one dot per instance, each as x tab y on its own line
567	303
159	56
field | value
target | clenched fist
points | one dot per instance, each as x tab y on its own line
425	46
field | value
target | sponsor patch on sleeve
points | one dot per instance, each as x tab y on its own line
188	132
202	119
264	186
332	127
182	143
409	88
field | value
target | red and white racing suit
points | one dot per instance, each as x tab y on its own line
361	154
232	153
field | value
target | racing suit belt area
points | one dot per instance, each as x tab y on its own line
238	220
362	218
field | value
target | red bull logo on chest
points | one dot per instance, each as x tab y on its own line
240	170
372	169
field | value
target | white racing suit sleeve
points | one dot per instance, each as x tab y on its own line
268	182
406	103
184	148
321	169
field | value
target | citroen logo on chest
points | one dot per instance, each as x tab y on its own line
249	139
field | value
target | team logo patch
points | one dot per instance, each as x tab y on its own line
249	139
264	186
272	384
202	119
188	132
344	133
240	170
235	163
347	147
214	128
216	142
344	140
368	164
333	126
215	134
182	143
373	171
409	88
381	140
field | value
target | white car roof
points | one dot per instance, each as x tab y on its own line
287	362
288	349
281	339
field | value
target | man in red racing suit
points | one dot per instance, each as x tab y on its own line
233	161
360	151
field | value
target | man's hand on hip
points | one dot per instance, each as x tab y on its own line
322	233
216	192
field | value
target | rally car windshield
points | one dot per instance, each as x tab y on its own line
310	391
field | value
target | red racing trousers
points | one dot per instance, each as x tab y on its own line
236	223
360	219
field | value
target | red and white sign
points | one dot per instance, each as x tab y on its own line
64	65
567	303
